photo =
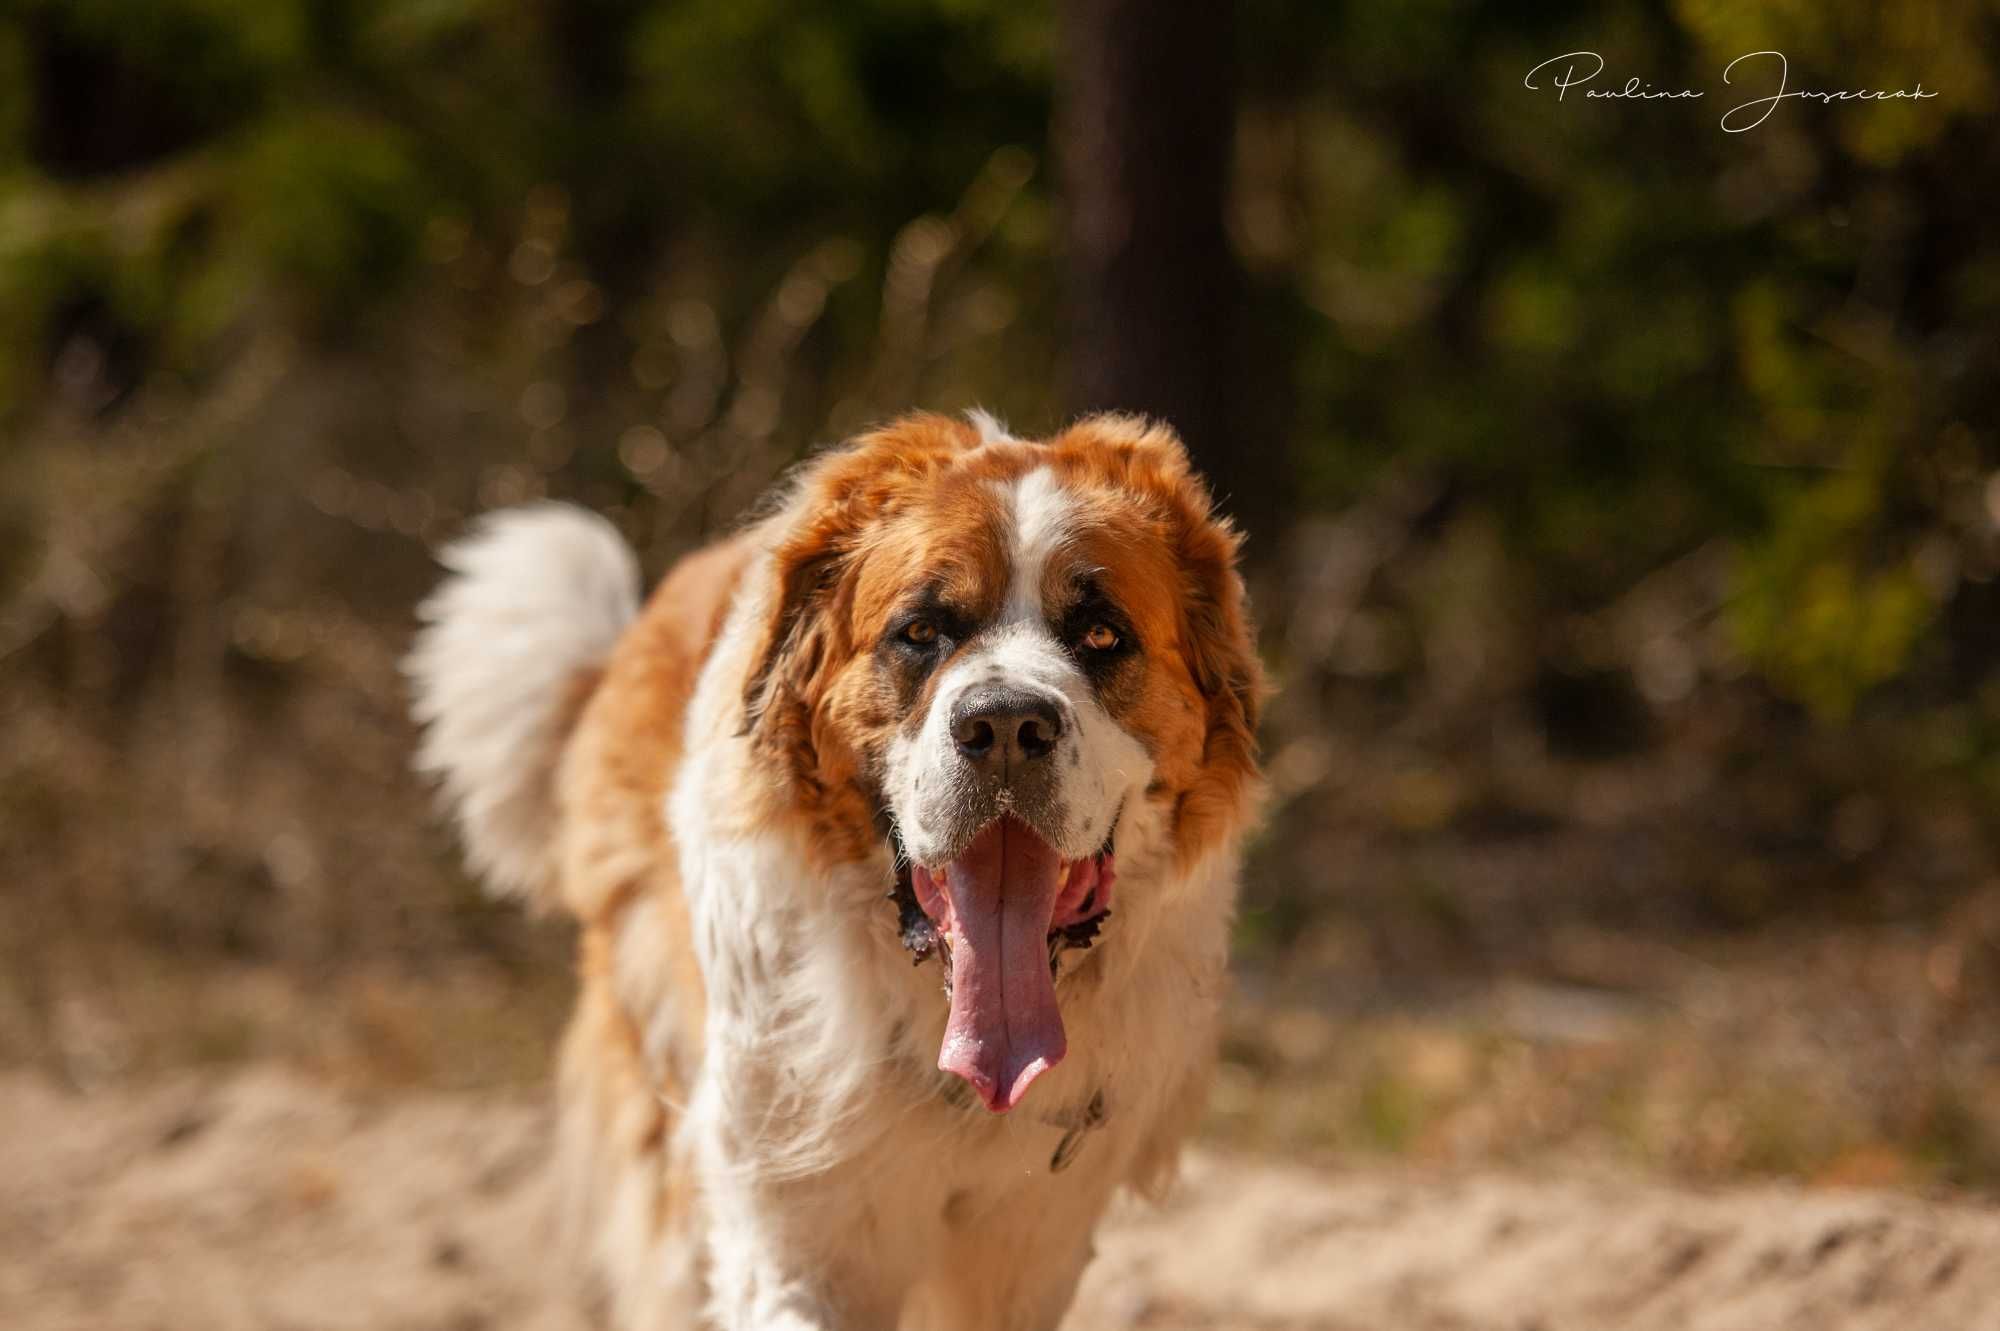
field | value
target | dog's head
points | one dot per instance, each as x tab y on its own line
992	651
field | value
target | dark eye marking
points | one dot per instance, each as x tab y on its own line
1096	632
925	630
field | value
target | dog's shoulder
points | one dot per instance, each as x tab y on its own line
630	740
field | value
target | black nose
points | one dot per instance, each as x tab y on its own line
999	726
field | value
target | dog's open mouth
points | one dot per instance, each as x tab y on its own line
1002	910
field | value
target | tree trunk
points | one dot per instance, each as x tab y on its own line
1144	128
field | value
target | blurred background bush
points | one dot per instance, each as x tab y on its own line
1622	498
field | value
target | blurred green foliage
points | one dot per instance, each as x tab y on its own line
1616	331
1628	333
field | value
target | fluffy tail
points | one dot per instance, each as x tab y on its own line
508	653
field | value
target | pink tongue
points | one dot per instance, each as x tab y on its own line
1005	1029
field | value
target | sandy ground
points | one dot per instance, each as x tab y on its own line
263	1200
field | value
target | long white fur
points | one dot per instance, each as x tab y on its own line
536	595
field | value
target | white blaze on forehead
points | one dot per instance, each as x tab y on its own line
1101	766
1044	516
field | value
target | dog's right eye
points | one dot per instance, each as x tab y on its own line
925	631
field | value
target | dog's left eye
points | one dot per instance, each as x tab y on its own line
1100	637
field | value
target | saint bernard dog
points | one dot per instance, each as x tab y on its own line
902	831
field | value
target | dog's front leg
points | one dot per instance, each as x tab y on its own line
782	1251
788	1235
748	1292
772	1269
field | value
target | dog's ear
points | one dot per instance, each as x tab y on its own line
805	631
1218	641
821	530
1217	636
1221	648
795	646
